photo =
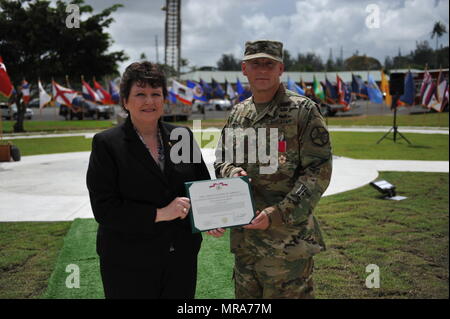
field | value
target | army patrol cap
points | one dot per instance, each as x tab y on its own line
263	49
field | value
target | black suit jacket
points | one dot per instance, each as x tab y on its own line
126	187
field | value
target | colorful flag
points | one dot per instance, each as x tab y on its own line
343	91
183	93
6	87
25	88
317	88
302	84
44	97
172	97
63	95
385	89
217	89
330	92
375	94
408	91
242	92
291	85
358	87
230	92
104	96
429	92
114	92
439	102
197	90
207	90
427	79
89	93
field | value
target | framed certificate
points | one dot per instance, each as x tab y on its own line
220	203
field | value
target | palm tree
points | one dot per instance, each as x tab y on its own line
438	30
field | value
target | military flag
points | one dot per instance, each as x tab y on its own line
408	92
88	92
438	100
385	89
182	92
302	84
330	92
114	92
6	87
427	79
317	88
374	92
172	97
104	96
242	92
358	87
44	97
230	91
208	91
217	89
63	95
25	88
291	85
197	90
343	91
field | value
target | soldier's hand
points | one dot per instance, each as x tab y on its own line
218	232
242	173
260	222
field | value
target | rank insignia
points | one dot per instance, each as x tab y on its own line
320	136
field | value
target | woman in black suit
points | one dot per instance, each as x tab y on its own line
144	240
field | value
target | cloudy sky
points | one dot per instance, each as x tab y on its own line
213	27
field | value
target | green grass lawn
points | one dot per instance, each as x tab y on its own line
432	147
28	252
407	240
428	119
59	126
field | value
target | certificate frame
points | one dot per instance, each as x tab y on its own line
218	183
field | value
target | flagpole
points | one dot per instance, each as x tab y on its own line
368	99
1	127
56	115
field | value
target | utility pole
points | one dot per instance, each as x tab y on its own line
156	48
172	50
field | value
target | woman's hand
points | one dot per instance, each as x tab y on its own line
218	232
178	208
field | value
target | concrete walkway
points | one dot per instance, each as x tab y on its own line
53	187
367	129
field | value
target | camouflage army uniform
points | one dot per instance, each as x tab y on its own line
277	262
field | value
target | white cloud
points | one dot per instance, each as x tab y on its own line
212	28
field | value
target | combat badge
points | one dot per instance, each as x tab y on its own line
319	136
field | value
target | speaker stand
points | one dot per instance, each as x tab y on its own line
394	127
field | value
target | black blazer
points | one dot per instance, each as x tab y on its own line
126	187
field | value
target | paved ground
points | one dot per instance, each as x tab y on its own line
52	187
381	129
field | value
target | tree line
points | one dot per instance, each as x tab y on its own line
419	58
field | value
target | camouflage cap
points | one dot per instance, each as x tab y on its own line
263	49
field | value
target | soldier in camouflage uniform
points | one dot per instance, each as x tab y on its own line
273	255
